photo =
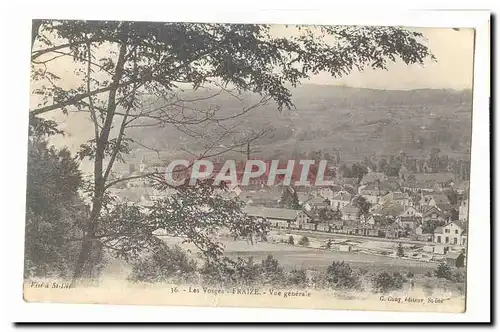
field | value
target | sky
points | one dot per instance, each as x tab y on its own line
453	70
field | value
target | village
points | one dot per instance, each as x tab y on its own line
425	211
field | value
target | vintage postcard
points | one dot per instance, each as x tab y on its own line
249	165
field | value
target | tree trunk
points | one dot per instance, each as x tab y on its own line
99	179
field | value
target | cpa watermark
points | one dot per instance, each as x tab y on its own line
264	172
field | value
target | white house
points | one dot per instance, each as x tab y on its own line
454	233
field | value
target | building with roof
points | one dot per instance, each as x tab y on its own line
398	197
371	177
278	217
453	233
340	200
463	210
455	259
350	213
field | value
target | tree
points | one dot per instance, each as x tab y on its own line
363	205
358	171
384	281
340	275
117	63
400	251
443	271
304	241
54	211
290	199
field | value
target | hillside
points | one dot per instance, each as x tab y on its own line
357	122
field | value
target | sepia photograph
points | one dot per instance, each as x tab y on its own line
248	165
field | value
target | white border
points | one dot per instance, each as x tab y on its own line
17	32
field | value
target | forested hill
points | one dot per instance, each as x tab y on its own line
356	121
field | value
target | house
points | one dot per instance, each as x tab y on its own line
350	213
419	235
454	233
340	200
401	198
371	177
390	210
434	215
463	210
444	180
378	221
462	187
410	211
409	223
303	197
418	186
267	198
316	203
326	193
395	231
278	217
434	199
455	259
373	191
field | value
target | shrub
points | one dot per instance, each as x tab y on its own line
304	241
459	276
291	240
443	271
246	272
400	251
164	264
384	282
271	271
410	274
340	275
297	278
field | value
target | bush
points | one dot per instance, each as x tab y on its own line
271	271
291	240
340	275
459	276
410	274
384	282
304	241
165	264
400	251
297	278
246	272
443	271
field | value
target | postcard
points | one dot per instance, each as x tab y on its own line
249	165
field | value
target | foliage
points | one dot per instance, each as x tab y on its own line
297	278
340	275
385	281
291	240
443	271
54	211
123	61
363	205
400	250
197	212
304	241
290	199
164	264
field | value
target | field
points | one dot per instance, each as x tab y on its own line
294	257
